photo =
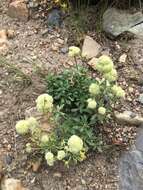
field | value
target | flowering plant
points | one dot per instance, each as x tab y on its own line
77	105
104	92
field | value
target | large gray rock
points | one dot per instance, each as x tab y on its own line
115	22
139	141
131	166
137	30
131	171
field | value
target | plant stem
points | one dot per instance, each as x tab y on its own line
76	63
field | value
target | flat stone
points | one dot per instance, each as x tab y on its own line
10	34
57	175
32	112
4	44
90	48
18	9
93	62
12	184
123	58
36	165
3	34
116	22
129	118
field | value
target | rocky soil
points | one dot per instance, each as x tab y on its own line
33	51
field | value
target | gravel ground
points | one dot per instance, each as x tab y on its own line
33	51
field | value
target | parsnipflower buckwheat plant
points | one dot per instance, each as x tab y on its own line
74	106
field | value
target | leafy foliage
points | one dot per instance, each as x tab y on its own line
70	90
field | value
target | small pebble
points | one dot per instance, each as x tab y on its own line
140	99
8	159
64	50
131	89
60	41
57	174
83	182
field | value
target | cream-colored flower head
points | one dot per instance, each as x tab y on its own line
118	91
111	76
44	103
101	110
61	154
32	122
75	144
22	127
74	51
104	64
91	103
44	139
49	158
94	89
28	148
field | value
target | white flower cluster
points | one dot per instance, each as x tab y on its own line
74	146
74	51
94	90
105	66
24	126
44	103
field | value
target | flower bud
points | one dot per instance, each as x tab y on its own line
49	158
101	110
74	51
91	104
22	127
28	148
118	91
32	122
61	155
111	76
104	64
105	60
82	156
44	139
94	89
